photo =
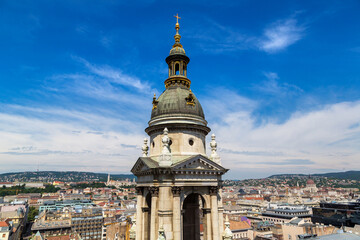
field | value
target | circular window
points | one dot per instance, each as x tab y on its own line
191	142
170	142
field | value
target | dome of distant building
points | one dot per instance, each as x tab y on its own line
310	181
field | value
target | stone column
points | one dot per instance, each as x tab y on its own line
176	191
146	224
221	210
165	211
207	223
214	213
154	198
139	213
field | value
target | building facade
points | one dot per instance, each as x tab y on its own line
87	222
346	214
178	185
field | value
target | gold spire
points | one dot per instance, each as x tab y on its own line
177	35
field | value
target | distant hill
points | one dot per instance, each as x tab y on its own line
68	176
351	175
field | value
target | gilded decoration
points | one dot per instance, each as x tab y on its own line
190	100
154	102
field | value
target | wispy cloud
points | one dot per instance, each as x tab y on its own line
114	75
281	35
274	87
217	38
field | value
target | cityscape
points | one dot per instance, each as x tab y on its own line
110	132
277	207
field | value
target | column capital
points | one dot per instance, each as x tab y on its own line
213	190
154	191
176	191
139	190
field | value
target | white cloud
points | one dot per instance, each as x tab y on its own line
322	139
92	120
104	134
63	144
59	139
280	35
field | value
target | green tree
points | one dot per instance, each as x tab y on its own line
33	212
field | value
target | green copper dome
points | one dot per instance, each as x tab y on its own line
177	100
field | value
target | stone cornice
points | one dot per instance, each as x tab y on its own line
177	127
164	171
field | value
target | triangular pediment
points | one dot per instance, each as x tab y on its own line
143	164
198	162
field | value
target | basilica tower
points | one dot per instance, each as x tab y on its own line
178	186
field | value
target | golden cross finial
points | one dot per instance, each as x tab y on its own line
177	18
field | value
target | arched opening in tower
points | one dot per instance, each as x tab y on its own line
192	216
177	69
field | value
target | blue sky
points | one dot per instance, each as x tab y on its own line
279	82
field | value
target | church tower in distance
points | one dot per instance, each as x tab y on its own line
178	185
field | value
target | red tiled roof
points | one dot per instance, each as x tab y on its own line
4	224
238	225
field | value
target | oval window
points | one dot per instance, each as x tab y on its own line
191	142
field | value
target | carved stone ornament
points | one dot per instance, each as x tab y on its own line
214	156
176	191
227	235
161	234
139	190
154	191
213	190
165	157
145	148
